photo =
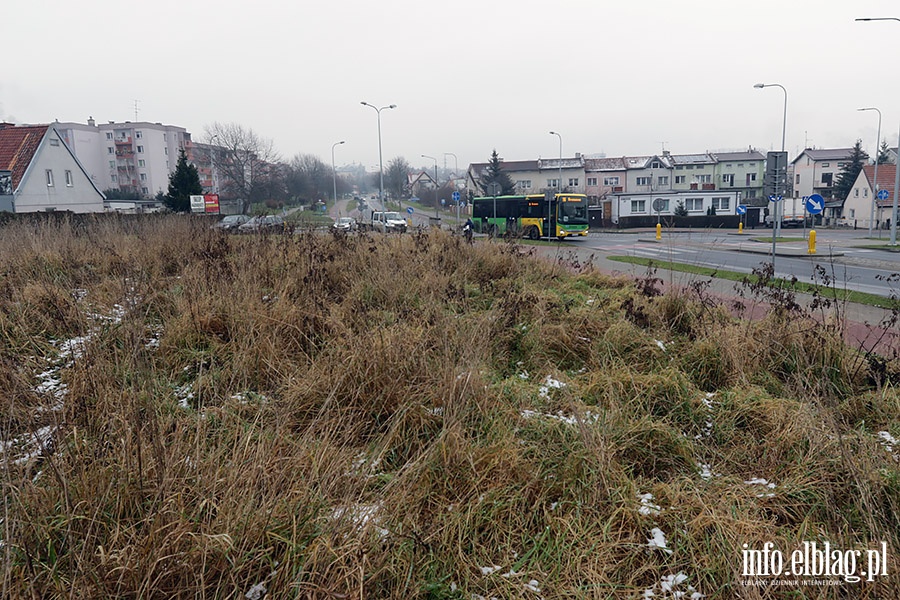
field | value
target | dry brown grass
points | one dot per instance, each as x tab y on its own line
362	417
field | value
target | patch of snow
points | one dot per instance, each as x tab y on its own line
490	570
706	471
671	586
648	508
763	482
523	375
532	586
256	592
544	391
589	417
658	540
661	344
888	441
361	515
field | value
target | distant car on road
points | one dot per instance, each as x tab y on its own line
345	224
264	224
231	222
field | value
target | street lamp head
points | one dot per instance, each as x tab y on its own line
392	106
759	85
365	104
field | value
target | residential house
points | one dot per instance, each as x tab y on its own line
692	171
40	173
742	172
636	207
648	173
417	182
861	208
602	177
815	171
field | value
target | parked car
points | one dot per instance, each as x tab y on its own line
231	222
264	224
345	224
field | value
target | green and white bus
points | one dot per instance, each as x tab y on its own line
527	216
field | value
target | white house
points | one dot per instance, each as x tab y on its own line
859	209
696	202
815	171
43	174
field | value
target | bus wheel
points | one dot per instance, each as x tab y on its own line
532	233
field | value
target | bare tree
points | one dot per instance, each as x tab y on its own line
308	178
247	167
397	177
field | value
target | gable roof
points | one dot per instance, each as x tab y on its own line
826	154
17	148
692	159
732	156
604	164
886	174
509	166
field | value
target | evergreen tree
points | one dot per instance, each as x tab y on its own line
850	171
680	210
495	174
183	183
884	156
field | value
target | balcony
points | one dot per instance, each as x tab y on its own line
123	141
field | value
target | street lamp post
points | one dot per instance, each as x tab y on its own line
776	220
874	183
558	182
897	170
334	172
380	161
436	216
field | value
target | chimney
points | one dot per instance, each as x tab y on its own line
91	122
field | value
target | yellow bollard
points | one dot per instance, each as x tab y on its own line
658	231
812	241
741	227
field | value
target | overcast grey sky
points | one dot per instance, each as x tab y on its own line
619	77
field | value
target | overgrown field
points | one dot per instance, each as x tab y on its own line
193	415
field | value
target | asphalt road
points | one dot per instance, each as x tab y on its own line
838	252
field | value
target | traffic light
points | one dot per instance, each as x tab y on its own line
775	178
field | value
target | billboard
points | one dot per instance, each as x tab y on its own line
198	204
211	203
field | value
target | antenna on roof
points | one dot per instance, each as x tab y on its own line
135	111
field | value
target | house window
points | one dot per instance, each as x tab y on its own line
524	184
553	183
865	192
143	177
138	134
826	179
655	165
573	182
140	149
856	192
826	164
110	150
113	178
740	165
142	163
145	191
109	135
797	179
721	203
638	206
662	180
611	181
112	164
643	181
49	178
54	142
752	177
69	181
728	178
679	179
694	204
592	181
704	178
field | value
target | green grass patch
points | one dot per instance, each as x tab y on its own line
843	295
779	240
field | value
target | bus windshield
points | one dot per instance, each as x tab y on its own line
573	210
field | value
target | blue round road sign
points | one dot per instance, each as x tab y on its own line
814	204
741	209
883	194
774	198
455	196
410	210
